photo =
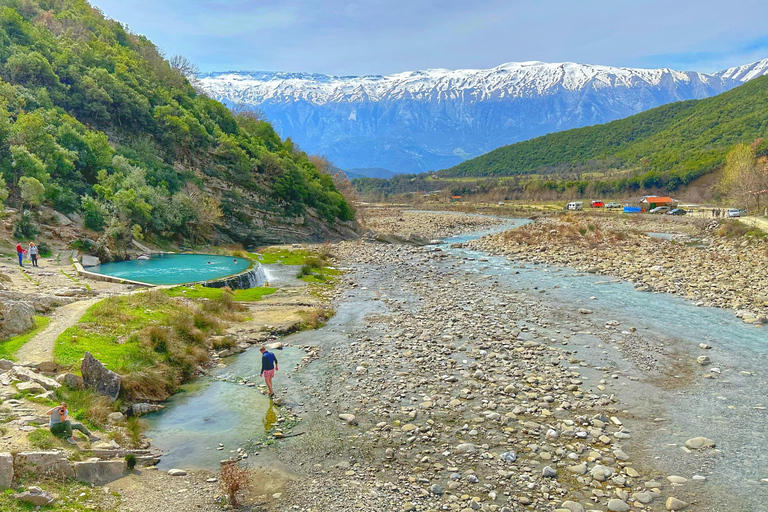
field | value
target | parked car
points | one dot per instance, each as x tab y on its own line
660	209
734	212
575	205
613	205
597	204
676	211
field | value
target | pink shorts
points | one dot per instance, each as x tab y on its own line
268	374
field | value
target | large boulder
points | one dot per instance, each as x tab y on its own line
6	470
89	261
16	317
25	374
97	377
100	472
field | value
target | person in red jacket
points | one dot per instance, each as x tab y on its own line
20	252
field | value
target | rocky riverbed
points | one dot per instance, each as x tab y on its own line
426	225
455	394
703	260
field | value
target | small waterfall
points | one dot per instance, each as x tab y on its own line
252	278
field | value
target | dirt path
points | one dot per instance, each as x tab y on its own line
40	348
758	222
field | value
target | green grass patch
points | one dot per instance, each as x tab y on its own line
10	346
42	439
204	292
106	327
282	256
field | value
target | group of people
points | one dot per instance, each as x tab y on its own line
32	252
718	212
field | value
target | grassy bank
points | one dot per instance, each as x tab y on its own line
314	264
10	346
154	339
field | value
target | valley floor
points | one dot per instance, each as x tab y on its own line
445	381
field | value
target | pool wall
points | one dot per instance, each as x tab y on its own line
251	278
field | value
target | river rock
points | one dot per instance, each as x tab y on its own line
349	418
35	496
585	311
466	448
676	504
703	360
176	472
549	472
97	377
572	506
616	505
697	443
116	417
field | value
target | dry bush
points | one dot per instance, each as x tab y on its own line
221	343
184	325
233	481
314	318
153	383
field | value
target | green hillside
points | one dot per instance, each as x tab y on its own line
94	120
667	147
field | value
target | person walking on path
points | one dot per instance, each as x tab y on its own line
268	368
20	252
33	252
60	424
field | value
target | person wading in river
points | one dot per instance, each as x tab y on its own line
268	368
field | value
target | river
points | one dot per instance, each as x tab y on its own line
723	401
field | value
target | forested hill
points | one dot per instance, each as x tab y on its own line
668	146
94	121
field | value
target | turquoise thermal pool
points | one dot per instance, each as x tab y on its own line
164	269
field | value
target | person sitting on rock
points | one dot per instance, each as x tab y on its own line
60	424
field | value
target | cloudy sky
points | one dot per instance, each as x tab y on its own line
387	36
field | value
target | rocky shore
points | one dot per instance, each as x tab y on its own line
703	260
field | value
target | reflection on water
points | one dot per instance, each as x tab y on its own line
191	427
270	418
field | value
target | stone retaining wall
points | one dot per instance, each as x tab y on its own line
55	464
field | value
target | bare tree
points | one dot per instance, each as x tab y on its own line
187	69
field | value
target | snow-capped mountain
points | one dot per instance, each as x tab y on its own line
432	119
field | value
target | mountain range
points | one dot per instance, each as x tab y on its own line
437	118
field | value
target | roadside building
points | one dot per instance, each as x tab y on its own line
648	203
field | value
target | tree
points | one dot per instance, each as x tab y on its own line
32	191
3	190
743	178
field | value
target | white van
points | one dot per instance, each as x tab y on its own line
576	205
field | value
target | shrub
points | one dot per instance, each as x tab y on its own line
130	461
234	479
44	249
306	270
155	383
25	226
135	428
